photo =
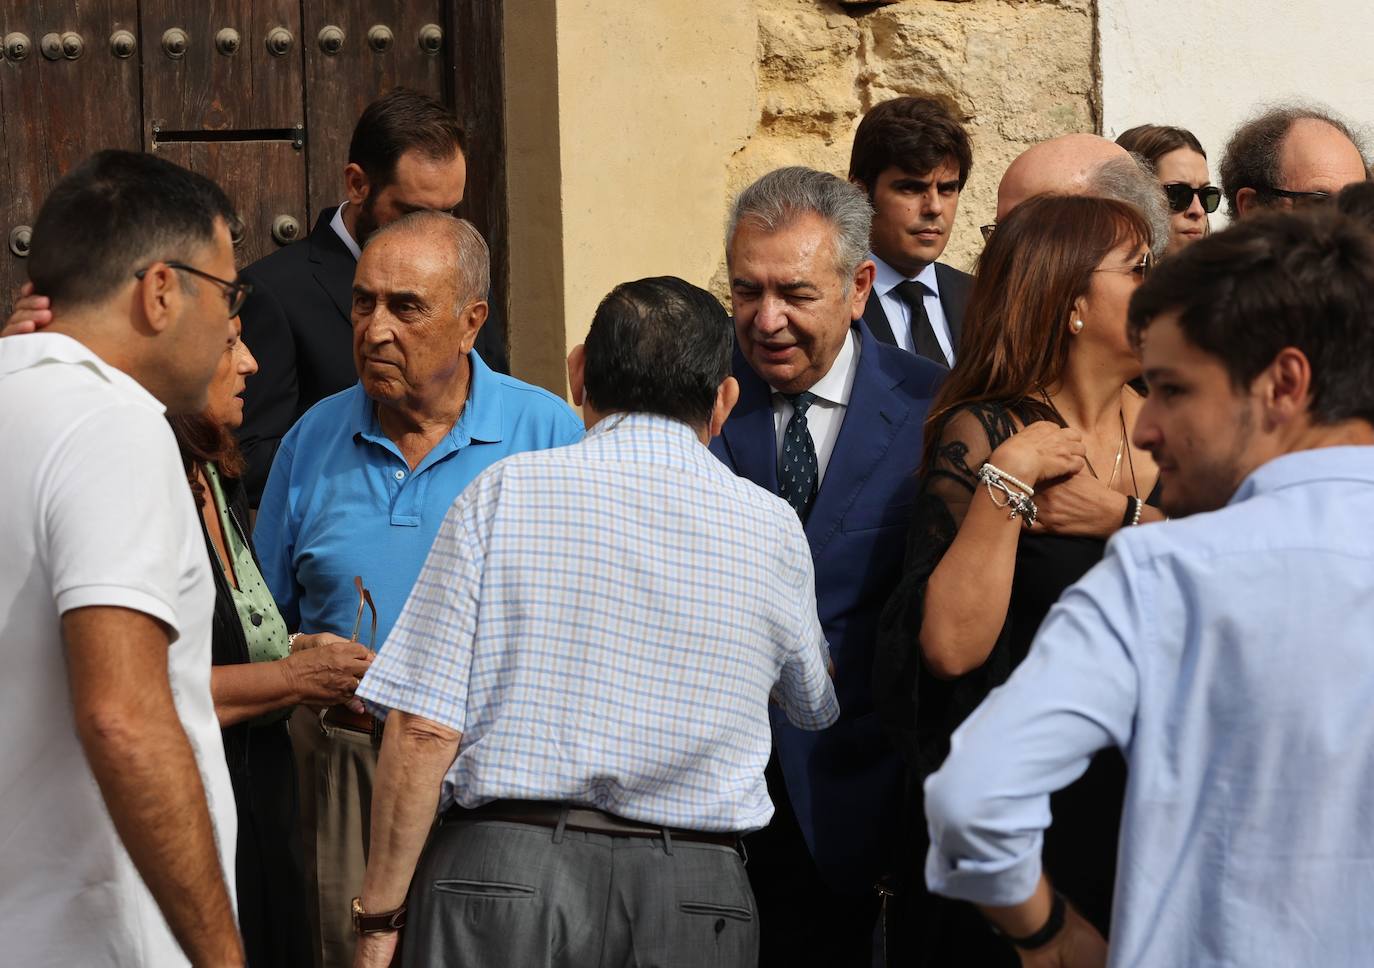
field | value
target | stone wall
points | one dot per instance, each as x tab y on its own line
1021	70
630	125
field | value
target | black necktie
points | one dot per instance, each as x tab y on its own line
922	332
797	470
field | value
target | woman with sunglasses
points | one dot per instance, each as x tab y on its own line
1028	469
1180	164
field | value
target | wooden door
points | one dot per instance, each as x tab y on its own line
260	95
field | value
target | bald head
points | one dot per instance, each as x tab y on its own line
1065	165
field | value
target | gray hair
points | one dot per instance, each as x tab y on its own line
780	197
1132	180
466	247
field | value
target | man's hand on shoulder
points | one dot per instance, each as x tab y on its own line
31	313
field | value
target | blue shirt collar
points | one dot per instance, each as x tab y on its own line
1353	463
480	420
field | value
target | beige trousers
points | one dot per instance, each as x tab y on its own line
336	769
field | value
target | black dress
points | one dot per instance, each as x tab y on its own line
270	875
921	711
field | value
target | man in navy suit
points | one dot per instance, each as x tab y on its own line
912	156
830	419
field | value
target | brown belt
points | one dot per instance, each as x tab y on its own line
344	718
543	813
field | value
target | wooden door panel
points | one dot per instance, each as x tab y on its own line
55	113
264	180
343	83
208	90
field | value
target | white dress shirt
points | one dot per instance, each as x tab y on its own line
826	414
337	224
885	283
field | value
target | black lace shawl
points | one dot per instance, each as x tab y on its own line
921	711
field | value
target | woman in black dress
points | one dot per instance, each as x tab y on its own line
1038	411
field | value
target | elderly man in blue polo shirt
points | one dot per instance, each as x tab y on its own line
359	488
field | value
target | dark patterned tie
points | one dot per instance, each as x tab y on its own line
922	331
797	470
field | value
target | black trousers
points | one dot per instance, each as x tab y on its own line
802	921
271	886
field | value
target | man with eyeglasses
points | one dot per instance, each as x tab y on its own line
1289	158
359	488
120	824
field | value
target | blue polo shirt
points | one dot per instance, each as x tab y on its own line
342	501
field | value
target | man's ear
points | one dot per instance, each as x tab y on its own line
474	315
1247	200
1286	386
861	285
577	371
158	295
356	185
727	395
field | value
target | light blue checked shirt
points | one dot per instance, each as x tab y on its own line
604	624
1231	657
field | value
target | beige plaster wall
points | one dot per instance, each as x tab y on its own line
652	97
631	123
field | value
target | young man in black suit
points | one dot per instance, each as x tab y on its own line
406	155
912	156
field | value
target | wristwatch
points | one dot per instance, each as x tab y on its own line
364	923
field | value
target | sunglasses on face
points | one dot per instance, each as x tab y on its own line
1181	196
1299	199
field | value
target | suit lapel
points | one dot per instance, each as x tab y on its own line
953	299
871	420
332	265
749	434
876	319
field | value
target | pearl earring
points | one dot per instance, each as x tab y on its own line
1076	326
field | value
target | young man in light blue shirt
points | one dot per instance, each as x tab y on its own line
1228	654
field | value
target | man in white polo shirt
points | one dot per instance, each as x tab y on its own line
119	817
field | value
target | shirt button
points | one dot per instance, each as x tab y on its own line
400	475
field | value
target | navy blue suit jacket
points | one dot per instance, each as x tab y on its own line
845	782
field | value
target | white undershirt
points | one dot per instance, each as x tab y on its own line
826	413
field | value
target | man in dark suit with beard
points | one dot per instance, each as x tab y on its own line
912	156
406	156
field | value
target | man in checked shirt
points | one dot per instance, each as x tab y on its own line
579	682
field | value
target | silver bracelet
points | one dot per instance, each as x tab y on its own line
1002	475
1015	503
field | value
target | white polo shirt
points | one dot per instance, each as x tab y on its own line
94	510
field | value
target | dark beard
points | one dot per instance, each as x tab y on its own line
366	223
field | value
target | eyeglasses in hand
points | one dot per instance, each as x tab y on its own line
364	599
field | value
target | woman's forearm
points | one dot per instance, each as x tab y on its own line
245	690
969	591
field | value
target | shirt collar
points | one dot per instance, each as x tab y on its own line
838	382
481	419
887	278
337	224
38	349
1353	463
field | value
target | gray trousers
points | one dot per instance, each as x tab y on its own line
489	893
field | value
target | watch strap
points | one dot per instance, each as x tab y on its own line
1055	923
374	923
